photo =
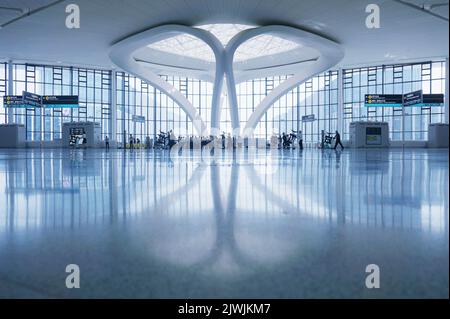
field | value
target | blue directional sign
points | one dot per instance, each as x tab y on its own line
138	119
31	99
413	99
433	100
391	100
60	101
13	101
308	118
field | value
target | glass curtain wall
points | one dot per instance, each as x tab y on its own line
143	111
318	96
3	91
404	123
92	86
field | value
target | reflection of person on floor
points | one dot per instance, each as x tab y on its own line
337	137
229	142
107	142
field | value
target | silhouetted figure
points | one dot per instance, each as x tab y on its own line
337	137
285	141
107	142
131	141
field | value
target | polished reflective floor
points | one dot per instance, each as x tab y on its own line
263	224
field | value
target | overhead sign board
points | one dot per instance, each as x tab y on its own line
433	99
413	99
138	118
50	101
308	118
13	101
392	100
32	99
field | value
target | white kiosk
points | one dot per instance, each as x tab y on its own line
81	134
12	135
438	135
365	134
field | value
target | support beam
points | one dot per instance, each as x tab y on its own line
113	115
340	107
232	96
122	53
330	53
217	95
447	98
10	90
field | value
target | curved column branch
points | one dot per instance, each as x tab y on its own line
121	54
330	53
217	94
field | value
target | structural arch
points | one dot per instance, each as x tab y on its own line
329	53
121	54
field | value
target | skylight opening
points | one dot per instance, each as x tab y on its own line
192	47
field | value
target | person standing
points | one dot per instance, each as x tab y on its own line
337	137
107	142
131	141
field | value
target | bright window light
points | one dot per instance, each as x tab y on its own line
189	46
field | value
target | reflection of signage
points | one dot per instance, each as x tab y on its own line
383	100
373	135
308	118
60	101
413	99
138	118
13	101
32	99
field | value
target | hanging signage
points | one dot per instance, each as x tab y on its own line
13	101
413	99
31	99
53	101
391	100
138	118
308	118
433	99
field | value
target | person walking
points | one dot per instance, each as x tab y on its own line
107	142
337	137
131	141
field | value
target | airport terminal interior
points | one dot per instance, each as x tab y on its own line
224	149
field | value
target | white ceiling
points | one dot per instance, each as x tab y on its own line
405	33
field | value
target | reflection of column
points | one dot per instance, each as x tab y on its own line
340	185
11	185
113	210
